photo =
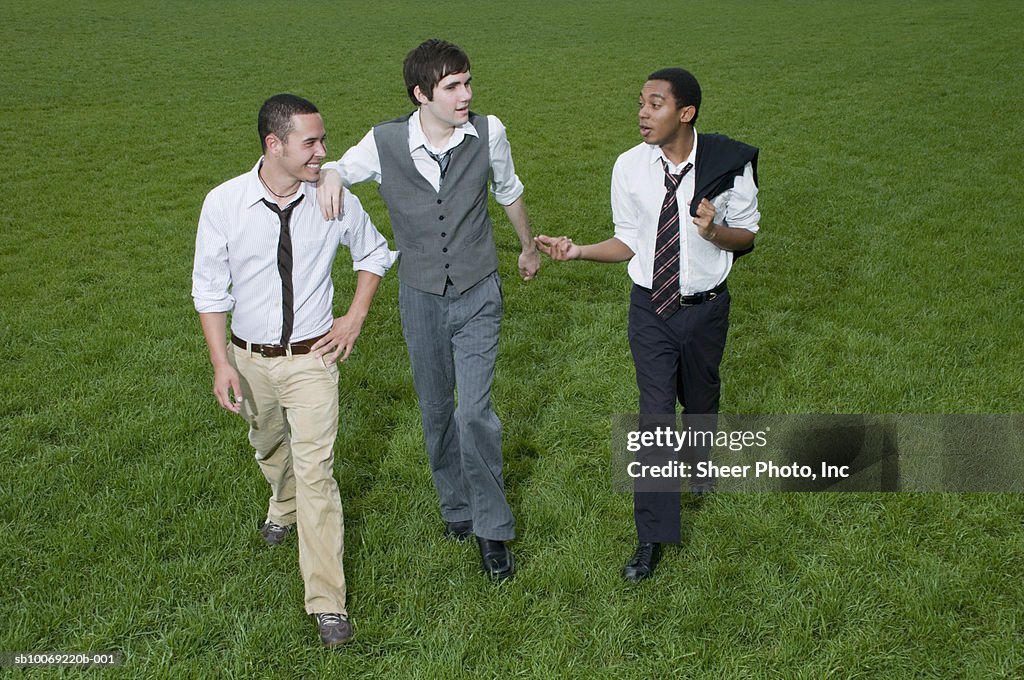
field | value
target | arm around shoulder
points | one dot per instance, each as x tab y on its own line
359	164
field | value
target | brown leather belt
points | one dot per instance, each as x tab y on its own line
301	347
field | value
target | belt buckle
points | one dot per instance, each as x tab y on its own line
695	299
270	351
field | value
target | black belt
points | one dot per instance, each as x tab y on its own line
696	298
301	347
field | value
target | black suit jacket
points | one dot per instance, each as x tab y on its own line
720	160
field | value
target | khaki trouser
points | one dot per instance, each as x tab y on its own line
291	405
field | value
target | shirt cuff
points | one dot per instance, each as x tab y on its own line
631	243
511	194
213	305
378	264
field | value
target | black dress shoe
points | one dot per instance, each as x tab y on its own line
459	531
641	565
496	558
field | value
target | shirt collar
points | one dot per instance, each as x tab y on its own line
255	192
658	155
418	139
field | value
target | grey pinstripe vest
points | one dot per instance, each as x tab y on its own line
442	235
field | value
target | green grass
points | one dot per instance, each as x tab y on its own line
885	280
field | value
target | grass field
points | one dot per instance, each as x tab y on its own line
886	280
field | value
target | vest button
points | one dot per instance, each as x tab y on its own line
439	201
447	265
443	234
444	250
440	217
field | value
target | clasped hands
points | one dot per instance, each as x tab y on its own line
558	248
561	248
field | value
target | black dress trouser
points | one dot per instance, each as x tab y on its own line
676	360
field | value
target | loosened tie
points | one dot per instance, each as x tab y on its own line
442	159
284	267
665	286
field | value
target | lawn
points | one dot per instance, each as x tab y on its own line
885	281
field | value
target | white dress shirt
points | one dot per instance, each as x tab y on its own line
638	190
362	162
235	267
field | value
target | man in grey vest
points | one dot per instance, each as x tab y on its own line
434	166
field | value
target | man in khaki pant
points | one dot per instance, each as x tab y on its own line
264	253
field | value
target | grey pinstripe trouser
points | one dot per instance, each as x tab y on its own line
453	344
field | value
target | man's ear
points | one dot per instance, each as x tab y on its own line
687	113
274	145
418	93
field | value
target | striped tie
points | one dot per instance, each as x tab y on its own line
442	159
284	267
665	287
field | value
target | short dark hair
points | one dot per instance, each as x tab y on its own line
276	116
685	88
428	63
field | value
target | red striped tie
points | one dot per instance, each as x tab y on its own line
665	287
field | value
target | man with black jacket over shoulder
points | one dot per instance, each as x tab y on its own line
679	305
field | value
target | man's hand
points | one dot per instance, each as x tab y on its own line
225	384
338	343
704	220
330	195
529	263
558	248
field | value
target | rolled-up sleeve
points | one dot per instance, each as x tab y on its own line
360	163
211	276
742	207
368	246
505	183
623	211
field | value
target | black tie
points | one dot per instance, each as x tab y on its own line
442	161
665	286
284	267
